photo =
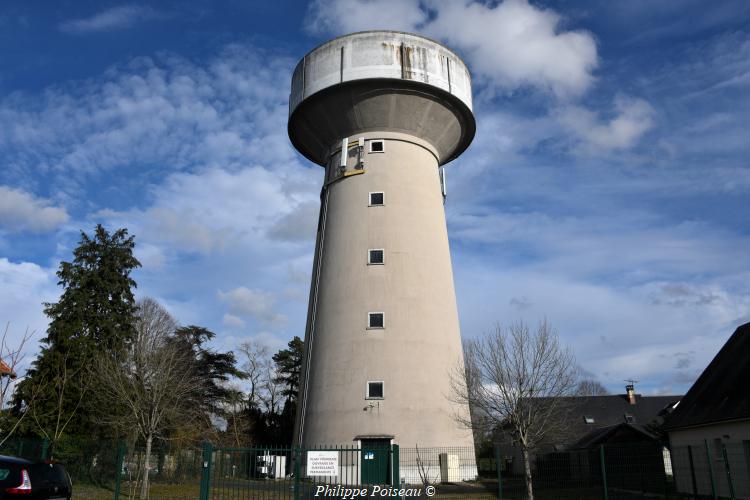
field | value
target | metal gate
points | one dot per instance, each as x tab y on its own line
295	473
375	460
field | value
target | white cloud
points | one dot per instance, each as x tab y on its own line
221	201
335	16
509	45
251	303
119	17
269	340
298	225
233	321
630	247
24	286
217	211
150	256
686	295
219	197
516	44
153	115
616	332
631	119
20	211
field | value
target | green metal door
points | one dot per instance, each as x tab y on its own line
376	461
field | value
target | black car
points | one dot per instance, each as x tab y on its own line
33	480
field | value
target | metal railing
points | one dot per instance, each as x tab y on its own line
283	472
707	470
713	469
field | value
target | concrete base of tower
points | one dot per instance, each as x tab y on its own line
413	473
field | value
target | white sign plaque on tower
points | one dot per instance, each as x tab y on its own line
322	463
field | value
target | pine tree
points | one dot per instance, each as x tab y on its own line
95	312
214	369
288	368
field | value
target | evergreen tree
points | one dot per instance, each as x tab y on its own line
288	367
214	369
95	312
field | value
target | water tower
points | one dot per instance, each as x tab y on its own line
382	112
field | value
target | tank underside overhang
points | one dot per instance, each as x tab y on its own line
388	105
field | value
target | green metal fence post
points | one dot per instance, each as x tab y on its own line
208	452
604	473
728	471
118	469
499	474
395	472
297	453
45	449
711	470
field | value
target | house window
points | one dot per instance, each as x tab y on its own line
375	390
630	419
376	320
377	199
375	256
377	146
588	419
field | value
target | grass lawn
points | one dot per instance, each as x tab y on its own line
158	492
91	492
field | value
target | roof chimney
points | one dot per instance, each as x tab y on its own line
630	389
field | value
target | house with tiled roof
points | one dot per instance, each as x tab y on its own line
709	431
585	422
590	416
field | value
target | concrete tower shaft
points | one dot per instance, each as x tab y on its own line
382	334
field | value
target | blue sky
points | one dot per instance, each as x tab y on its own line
606	189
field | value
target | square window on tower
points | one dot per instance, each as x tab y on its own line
375	390
377	146
375	320
377	199
375	256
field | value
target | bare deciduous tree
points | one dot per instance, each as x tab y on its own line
11	357
256	360
151	383
481	423
590	387
423	469
515	378
237	427
68	386
272	388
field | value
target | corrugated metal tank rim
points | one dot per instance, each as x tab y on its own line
394	32
380	54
